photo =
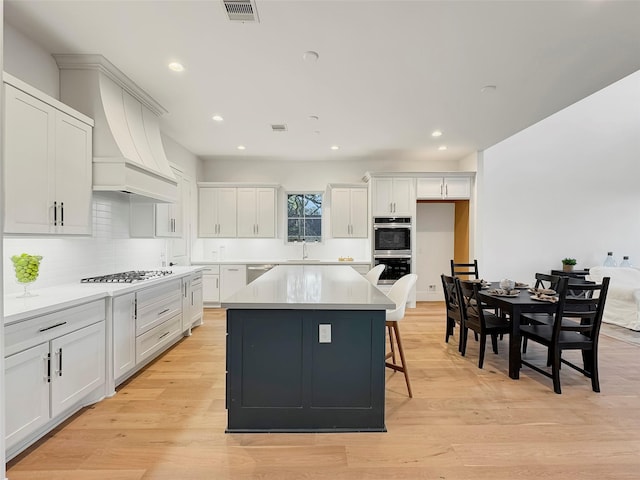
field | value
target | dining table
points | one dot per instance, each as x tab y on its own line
514	306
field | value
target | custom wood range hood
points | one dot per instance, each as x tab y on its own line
128	155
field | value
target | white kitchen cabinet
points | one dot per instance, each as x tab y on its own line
211	285
124	335
393	196
438	188
55	365
349	212
158	220
169	218
191	302
232	279
145	323
48	160
217	212
256	212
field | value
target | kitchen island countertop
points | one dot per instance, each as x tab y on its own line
310	287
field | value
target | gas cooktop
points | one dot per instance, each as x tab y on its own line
127	277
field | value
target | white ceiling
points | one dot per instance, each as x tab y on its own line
389	72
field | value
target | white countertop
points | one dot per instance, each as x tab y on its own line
280	262
51	299
310	287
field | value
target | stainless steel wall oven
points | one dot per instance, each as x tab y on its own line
392	247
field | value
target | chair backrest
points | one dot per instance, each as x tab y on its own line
399	293
451	297
544	280
373	275
471	307
467	270
584	303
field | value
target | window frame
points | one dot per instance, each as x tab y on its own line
287	217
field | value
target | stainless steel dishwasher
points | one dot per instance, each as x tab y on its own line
254	271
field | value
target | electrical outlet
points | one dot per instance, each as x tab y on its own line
324	333
432	288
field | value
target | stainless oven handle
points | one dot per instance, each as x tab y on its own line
406	226
391	256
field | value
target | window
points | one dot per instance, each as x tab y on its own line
304	217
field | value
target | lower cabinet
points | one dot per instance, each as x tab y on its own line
192	302
54	365
145	323
211	285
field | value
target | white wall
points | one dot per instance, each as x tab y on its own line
434	230
26	60
568	186
68	259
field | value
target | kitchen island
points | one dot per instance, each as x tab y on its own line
305	352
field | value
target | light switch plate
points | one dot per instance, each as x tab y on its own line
324	333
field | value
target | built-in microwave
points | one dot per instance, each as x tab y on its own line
391	235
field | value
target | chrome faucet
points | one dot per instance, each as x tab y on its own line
304	250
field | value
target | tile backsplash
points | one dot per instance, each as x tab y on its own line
68	259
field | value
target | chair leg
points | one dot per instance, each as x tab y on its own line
494	343
392	344
403	364
450	327
595	379
555	369
460	335
464	333
483	345
524	344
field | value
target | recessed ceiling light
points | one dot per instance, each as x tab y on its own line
335	147
442	147
436	133
488	89
176	67
241	147
217	118
310	56
314	117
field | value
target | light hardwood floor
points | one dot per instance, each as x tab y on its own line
463	423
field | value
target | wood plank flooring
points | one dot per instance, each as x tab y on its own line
463	423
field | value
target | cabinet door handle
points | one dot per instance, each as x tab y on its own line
192	302
52	326
217	283
47	367
60	362
55	213
163	311
446	190
62	214
163	335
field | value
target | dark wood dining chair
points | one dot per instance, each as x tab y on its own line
454	315
466	270
476	318
544	280
575	325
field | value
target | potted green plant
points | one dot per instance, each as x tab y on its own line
567	264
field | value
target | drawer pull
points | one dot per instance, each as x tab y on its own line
52	326
163	335
163	311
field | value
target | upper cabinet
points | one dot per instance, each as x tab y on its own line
349	212
217	209
226	210
47	154
159	220
393	196
256	212
447	187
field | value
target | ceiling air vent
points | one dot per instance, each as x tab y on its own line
241	10
279	128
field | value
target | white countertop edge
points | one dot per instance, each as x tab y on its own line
60	297
305	306
280	262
